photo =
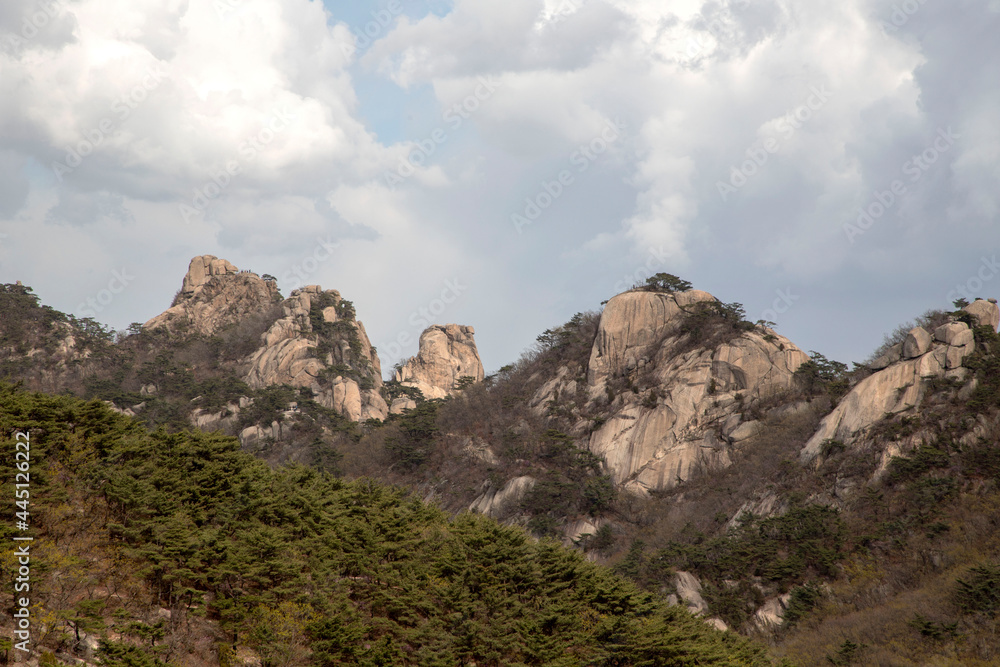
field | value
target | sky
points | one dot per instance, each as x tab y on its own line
834	167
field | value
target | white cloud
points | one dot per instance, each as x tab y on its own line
254	116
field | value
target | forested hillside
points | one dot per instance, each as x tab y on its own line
178	548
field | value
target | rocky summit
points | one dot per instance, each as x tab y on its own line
694	415
446	359
215	294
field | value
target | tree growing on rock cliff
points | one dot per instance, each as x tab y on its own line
665	282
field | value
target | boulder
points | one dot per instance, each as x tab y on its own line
986	313
202	268
745	430
948	333
918	342
633	321
447	354
689	589
401	403
891	356
772	613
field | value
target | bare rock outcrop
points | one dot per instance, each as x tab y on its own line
214	295
447	354
986	312
319	344
315	342
897	387
689	590
493	502
655	440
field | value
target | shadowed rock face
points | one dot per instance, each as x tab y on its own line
692	422
447	354
214	295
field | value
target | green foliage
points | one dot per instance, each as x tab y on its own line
410	447
393	389
733	602
268	405
465	382
803	600
979	591
309	569
27	325
831	447
848	654
908	468
985	362
933	629
711	323
805	542
664	282
574	484
577	331
981	459
603	540
119	654
353	365
822	375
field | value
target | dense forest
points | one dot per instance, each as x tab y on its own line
178	548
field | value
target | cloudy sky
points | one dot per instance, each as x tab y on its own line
832	166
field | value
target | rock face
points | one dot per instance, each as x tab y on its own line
316	342
689	590
917	342
653	441
447	354
319	344
987	313
494	501
214	295
897	387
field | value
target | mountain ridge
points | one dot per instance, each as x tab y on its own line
628	433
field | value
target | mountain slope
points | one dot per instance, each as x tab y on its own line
842	515
299	567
